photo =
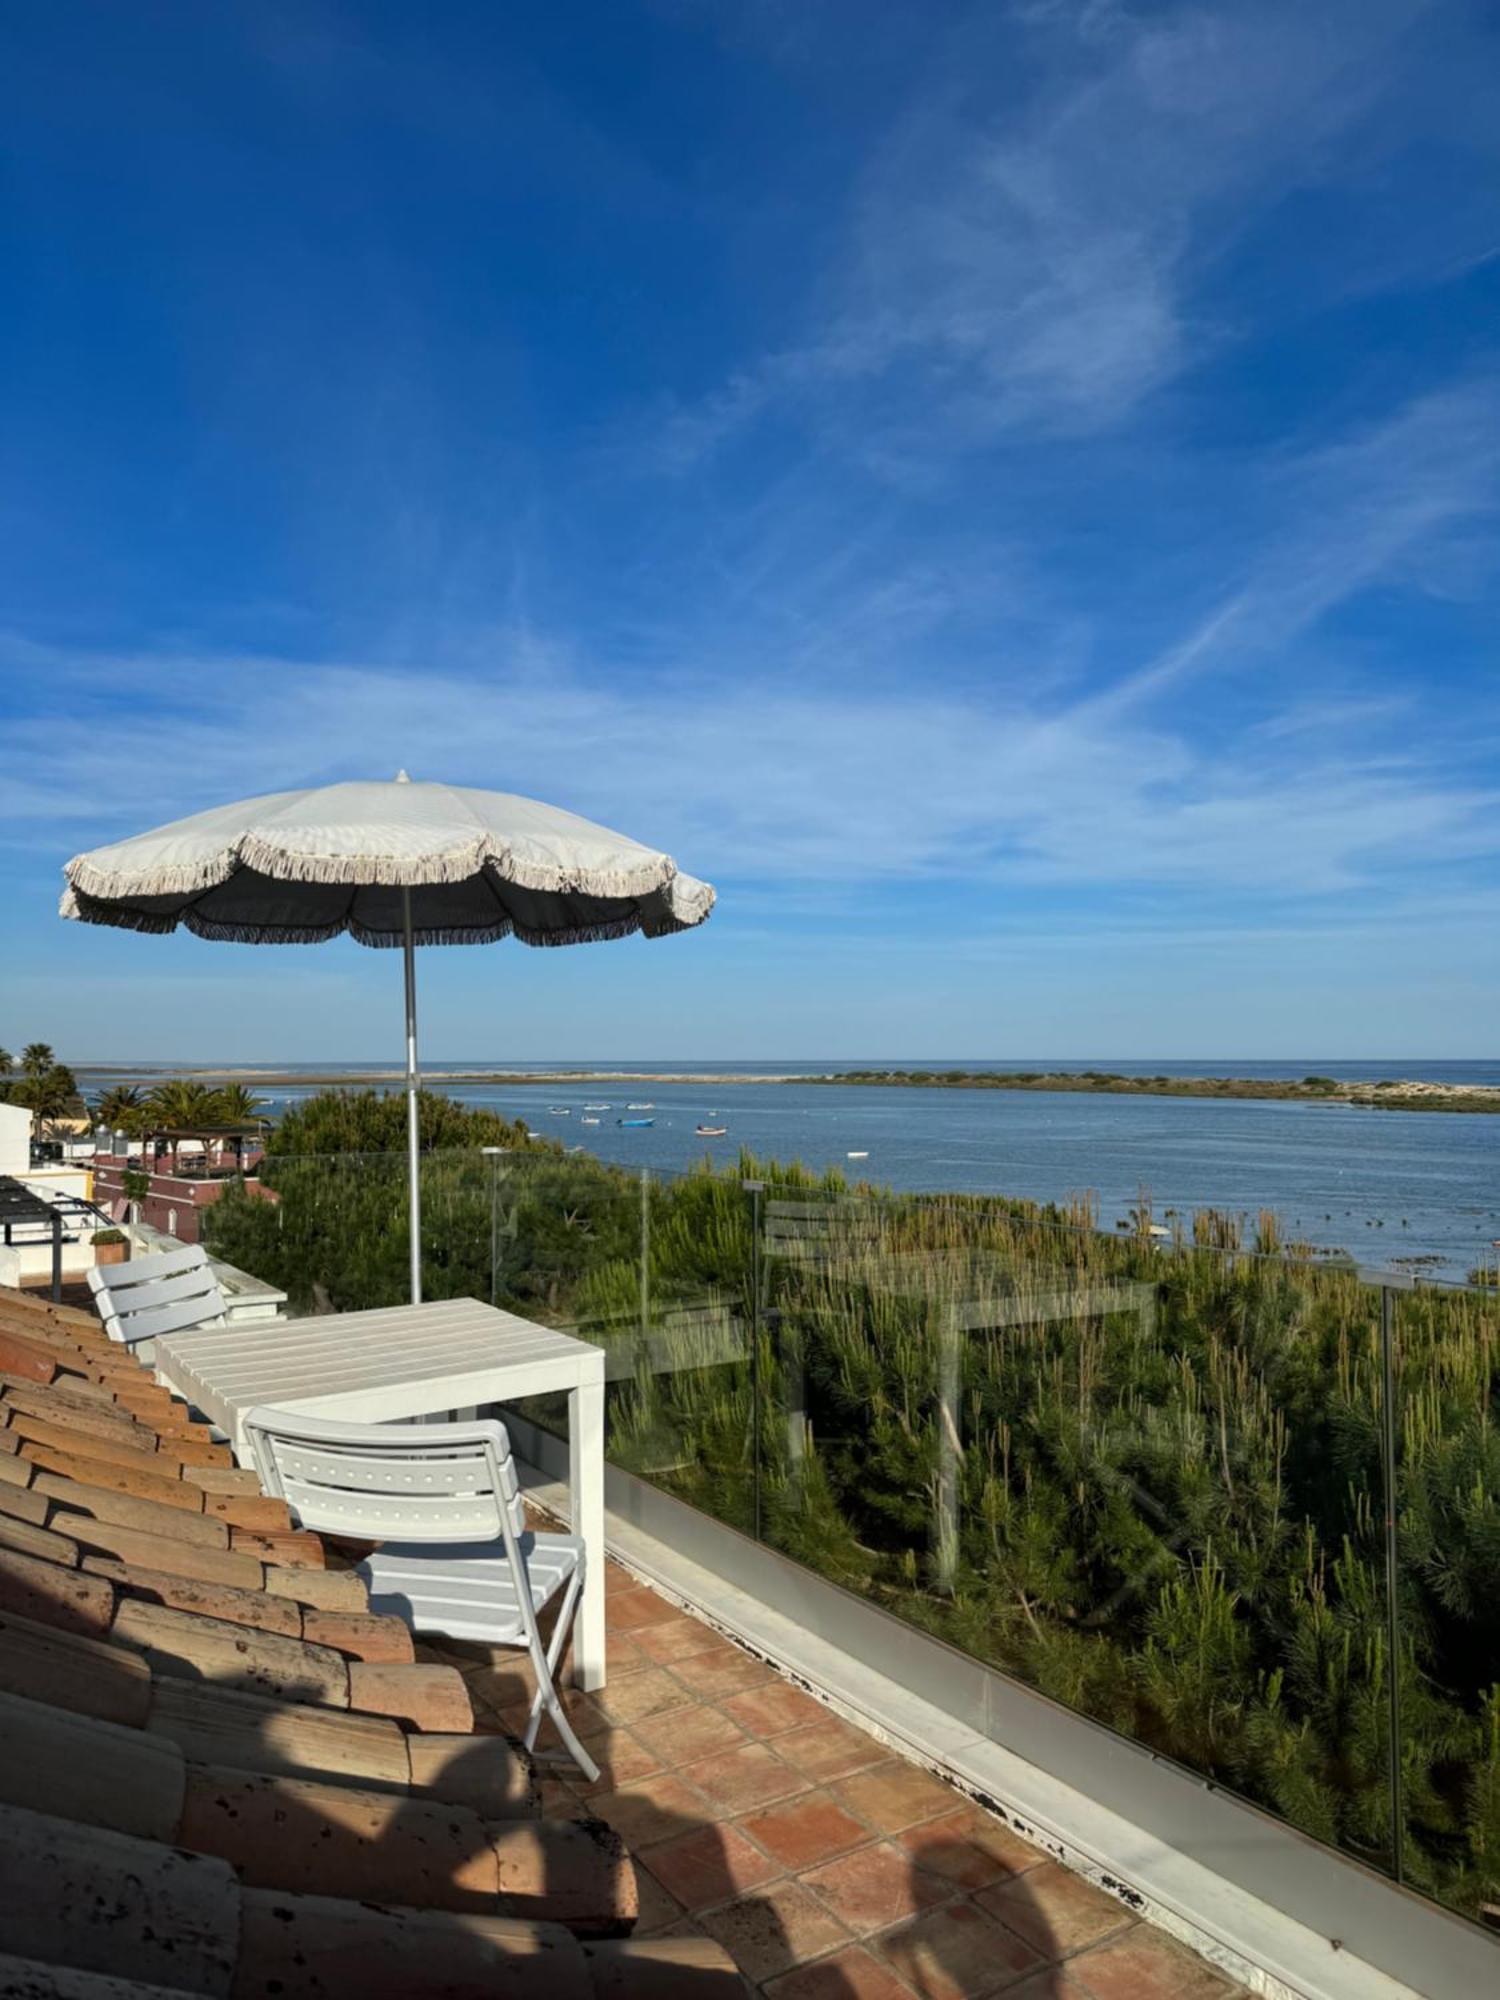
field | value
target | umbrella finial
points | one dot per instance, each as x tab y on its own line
402	779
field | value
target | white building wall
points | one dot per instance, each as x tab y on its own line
15	1139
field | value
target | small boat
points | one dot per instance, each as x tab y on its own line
596	1107
640	1107
635	1121
856	1156
561	1110
588	1121
712	1131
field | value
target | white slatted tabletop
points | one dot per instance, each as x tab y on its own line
411	1361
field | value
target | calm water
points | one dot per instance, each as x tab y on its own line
1385	1185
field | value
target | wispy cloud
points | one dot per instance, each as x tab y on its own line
1015	263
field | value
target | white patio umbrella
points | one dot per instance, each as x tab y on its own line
393	864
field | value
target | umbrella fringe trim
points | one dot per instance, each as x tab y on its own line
88	910
375	871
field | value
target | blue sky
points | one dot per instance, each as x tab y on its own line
1007	492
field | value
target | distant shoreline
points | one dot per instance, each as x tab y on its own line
1393	1094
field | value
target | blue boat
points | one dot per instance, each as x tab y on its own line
635	1121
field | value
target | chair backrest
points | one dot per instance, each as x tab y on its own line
445	1482
162	1293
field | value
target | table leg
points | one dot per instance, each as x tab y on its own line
586	1483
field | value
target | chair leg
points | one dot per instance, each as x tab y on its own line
546	1696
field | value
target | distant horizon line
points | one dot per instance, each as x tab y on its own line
433	1061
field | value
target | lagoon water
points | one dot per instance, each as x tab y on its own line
1386	1185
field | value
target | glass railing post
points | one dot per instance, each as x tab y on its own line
1388	1421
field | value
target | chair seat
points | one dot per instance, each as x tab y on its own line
467	1591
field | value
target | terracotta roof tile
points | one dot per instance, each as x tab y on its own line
179	1662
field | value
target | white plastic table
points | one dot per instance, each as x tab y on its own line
411	1361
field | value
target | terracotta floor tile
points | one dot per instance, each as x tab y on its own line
895	1795
677	1639
656	1808
1056	1910
582	1710
803	1832
621	1759
684	1734
631	1610
657	1911
1145	1965
726	1671
971	1848
830	1749
741	1779
849	1975
708	1866
651	1692
874	1887
773	1708
618	1581
958	1953
775	1928
1053	1983
622	1655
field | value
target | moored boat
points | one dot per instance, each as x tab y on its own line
635	1121
712	1131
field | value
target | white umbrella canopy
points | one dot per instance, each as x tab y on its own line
392	864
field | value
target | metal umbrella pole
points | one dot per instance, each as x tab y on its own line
412	1159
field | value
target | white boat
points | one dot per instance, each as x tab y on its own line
640	1107
712	1131
596	1107
561	1110
588	1121
856	1156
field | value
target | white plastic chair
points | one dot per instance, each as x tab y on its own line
457	1557
165	1292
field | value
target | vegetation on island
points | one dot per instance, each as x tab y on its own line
1143	1478
1390	1095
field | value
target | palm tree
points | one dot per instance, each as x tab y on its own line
37	1058
187	1109
181	1105
239	1105
120	1108
7	1062
48	1094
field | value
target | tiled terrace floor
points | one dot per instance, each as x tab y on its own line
829	1868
